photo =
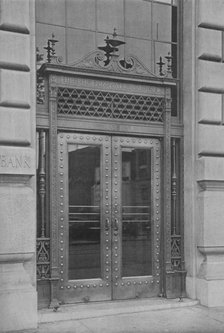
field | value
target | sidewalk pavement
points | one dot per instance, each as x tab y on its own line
139	316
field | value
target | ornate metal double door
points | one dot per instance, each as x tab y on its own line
109	213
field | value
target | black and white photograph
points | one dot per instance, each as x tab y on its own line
112	166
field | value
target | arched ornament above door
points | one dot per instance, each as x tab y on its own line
131	64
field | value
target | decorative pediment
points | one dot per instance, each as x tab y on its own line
107	59
96	61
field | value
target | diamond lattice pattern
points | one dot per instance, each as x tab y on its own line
89	103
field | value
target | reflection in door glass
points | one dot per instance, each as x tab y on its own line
84	212
136	212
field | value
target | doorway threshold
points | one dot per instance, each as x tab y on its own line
110	308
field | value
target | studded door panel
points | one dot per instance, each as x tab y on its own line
84	290
135	286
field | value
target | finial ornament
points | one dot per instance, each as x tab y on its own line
51	58
160	63
168	72
50	48
169	64
111	47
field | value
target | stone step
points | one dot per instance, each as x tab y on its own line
110	308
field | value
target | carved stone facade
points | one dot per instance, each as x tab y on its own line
203	82
17	167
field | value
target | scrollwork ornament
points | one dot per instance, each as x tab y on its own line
57	60
131	64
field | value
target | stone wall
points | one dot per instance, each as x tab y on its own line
17	166
203	88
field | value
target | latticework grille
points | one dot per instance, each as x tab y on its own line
89	103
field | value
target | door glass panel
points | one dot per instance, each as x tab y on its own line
136	212
84	211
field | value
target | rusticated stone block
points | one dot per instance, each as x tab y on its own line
209	108
17	207
209	44
17	161
14	89
210	168
211	212
15	51
210	293
15	126
209	138
16	292
210	14
14	15
210	77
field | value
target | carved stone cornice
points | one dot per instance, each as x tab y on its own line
211	250
213	265
16	257
211	185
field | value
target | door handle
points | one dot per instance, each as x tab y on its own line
107	224
115	224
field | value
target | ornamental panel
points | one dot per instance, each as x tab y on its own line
99	104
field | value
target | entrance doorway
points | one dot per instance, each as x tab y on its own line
109	213
103	230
